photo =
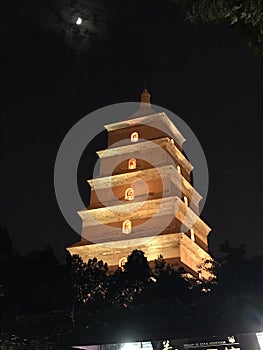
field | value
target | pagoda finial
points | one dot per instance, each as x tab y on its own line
145	95
145	104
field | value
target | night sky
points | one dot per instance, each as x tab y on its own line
53	73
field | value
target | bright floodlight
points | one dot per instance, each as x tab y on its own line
260	340
129	346
79	21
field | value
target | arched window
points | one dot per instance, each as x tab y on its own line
129	194
132	164
178	169
192	232
122	262
172	141
126	226
134	137
185	200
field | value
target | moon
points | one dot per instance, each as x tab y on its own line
79	21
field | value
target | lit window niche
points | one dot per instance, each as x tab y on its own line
132	164
185	200
134	137
126	227
122	262
172	141
129	194
178	169
192	232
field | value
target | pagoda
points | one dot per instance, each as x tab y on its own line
143	198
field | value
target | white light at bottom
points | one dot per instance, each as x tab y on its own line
260	339
129	346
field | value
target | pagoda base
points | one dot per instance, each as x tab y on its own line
176	248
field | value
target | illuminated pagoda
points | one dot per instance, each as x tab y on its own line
143	198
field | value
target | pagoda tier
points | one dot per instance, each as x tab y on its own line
115	160
177	249
149	127
156	216
153	183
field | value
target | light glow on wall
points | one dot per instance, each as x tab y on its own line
185	200
126	226
134	137
178	169
122	262
129	194
132	164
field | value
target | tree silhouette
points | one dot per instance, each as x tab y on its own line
88	281
124	286
140	298
245	14
137	267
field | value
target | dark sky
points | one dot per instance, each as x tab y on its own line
53	73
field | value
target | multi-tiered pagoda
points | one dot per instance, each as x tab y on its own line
143	198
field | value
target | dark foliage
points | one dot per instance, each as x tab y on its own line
247	15
40	297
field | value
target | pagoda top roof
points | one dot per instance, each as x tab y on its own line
157	120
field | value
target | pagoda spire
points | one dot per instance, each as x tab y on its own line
145	104
145	96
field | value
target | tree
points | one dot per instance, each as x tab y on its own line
170	284
88	281
137	267
44	281
124	286
246	14
236	296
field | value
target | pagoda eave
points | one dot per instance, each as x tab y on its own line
156	120
170	206
175	247
160	173
144	146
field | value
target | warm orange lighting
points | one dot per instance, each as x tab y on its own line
122	262
178	169
126	226
192	234
172	141
129	194
185	200
132	164
134	137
